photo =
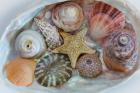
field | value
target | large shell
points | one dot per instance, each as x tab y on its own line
30	44
120	51
103	19
50	33
68	16
20	71
89	65
53	70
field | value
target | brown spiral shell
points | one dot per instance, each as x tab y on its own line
120	51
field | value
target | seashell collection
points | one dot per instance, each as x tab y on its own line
56	44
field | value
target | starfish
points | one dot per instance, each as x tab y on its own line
74	46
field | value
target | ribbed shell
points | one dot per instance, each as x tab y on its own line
103	19
30	44
68	16
53	70
50	33
120	51
89	65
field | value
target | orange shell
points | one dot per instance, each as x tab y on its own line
20	71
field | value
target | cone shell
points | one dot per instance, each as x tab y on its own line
89	65
120	51
20	71
30	44
103	19
50	33
53	70
68	16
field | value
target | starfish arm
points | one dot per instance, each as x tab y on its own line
73	58
83	32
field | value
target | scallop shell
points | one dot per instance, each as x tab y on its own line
30	44
68	16
89	65
20	71
53	70
50	33
103	19
120	51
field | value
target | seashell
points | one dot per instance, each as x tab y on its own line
103	19
89	65
20	71
120	51
53	70
68	16
30	44
50	33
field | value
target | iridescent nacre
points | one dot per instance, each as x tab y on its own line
30	44
89	65
53	70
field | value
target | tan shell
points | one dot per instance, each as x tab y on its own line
20	71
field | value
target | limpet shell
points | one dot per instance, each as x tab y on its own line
53	70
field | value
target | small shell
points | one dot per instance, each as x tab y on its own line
103	19
20	71
50	33
89	65
120	51
68	16
53	70
30	44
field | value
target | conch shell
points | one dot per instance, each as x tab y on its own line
30	44
68	16
20	71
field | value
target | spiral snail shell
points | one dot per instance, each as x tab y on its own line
120	51
89	65
50	33
53	70
103	19
68	16
30	44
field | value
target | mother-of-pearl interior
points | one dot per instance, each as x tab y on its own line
76	83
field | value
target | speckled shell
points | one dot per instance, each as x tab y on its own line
20	71
120	51
89	65
50	33
30	44
103	19
53	70
68	16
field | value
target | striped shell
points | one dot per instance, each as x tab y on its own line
120	51
30	44
20	71
53	70
50	33
89	65
103	19
68	16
